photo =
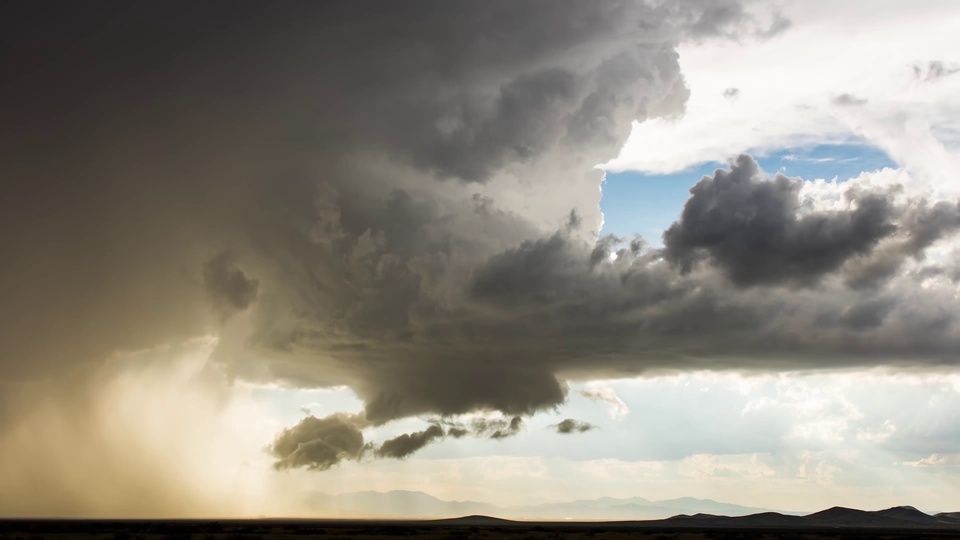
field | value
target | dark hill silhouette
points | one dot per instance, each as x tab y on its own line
908	513
628	512
948	517
769	519
898	517
476	520
761	520
839	516
418	505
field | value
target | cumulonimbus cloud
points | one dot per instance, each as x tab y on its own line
415	216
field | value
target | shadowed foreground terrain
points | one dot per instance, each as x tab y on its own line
479	527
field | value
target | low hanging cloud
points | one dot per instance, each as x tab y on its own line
571	425
408	443
318	443
321	443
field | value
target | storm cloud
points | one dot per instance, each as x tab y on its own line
413	216
749	227
175	131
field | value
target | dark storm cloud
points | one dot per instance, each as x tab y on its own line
408	443
926	223
140	139
321	443
867	314
409	193
504	331
921	225
749	227
318	443
229	288
571	425
637	314
360	159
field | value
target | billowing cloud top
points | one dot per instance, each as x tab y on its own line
402	198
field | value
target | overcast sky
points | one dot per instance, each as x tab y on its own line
492	251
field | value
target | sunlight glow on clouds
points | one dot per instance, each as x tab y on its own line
790	90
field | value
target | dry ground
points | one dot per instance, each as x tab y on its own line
304	530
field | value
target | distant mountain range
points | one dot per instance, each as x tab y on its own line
898	517
684	512
415	504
